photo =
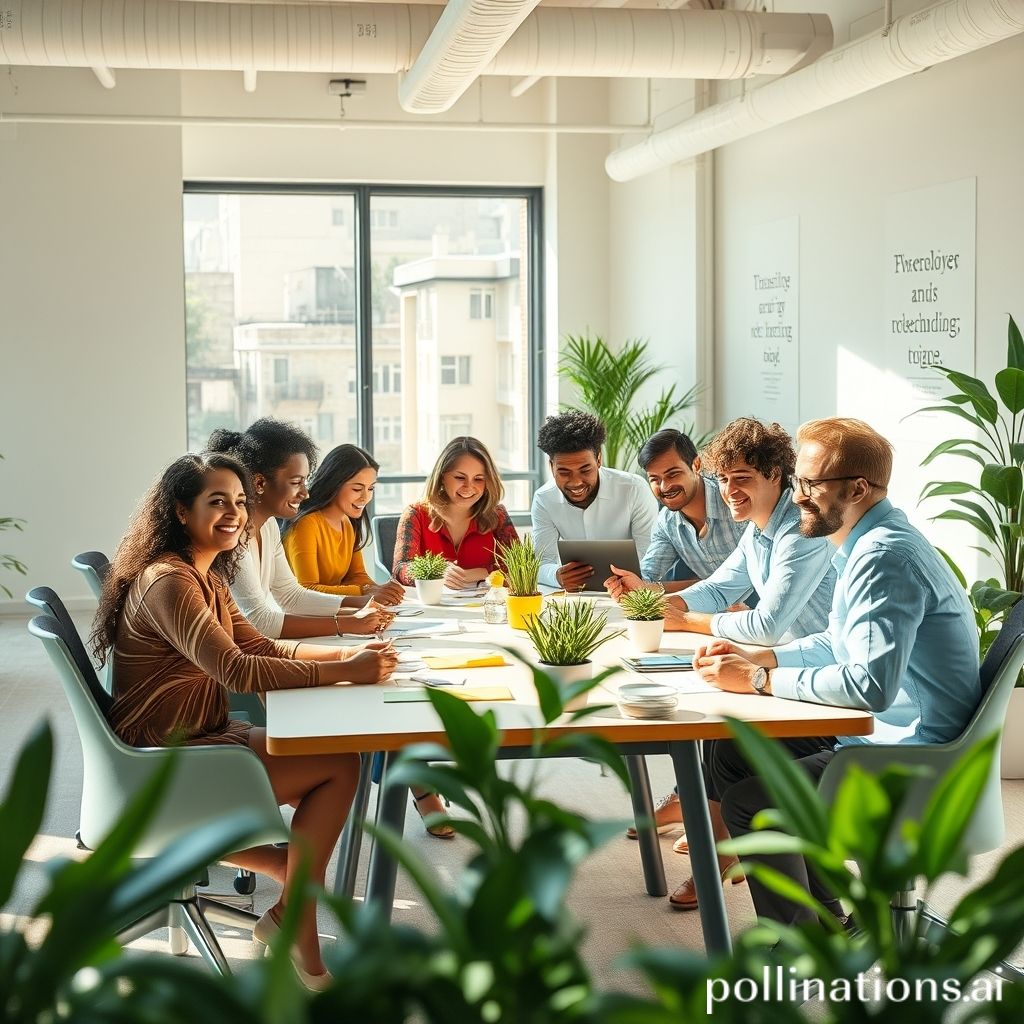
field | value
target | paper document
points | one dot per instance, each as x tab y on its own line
681	682
462	659
422	627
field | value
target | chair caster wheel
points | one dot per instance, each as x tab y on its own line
245	883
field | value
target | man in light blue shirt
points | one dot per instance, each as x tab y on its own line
901	640
584	500
695	532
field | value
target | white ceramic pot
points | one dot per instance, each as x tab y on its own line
645	636
1011	757
429	591
563	675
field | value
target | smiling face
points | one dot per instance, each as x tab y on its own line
823	512
465	483
216	519
356	493
285	488
673	482
576	475
749	495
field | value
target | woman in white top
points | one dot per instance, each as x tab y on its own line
280	458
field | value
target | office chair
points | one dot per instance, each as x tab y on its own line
47	600
94	566
384	530
999	673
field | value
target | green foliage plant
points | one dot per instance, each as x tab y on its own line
608	381
519	562
428	566
9	562
568	632
993	503
645	604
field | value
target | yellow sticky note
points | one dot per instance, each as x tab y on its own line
462	661
481	693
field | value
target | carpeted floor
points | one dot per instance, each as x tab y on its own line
608	896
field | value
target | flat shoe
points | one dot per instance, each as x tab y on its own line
313	982
681	845
264	930
685	897
441	830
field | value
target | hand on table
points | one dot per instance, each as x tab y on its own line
391	592
373	622
373	663
573	576
457	578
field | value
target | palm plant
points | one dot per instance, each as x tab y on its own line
520	562
608	383
9	562
568	632
645	604
994	505
428	566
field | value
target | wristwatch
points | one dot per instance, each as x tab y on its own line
760	682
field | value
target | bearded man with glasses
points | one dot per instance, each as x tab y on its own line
901	640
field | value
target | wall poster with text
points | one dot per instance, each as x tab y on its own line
774	320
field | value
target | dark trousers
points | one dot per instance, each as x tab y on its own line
736	785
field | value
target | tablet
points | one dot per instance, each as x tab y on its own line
601	554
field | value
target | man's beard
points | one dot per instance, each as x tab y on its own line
815	523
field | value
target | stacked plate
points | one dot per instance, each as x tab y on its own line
647	700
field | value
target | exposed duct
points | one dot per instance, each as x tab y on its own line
912	43
367	38
465	40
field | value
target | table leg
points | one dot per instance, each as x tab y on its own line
391	806
647	837
703	857
352	836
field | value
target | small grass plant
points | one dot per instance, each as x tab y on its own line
520	563
568	632
644	604
428	566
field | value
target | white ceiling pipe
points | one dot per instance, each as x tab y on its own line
913	43
104	76
367	38
249	78
523	85
466	38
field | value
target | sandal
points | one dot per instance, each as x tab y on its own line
681	845
685	897
440	830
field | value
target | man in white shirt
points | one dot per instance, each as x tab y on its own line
584	500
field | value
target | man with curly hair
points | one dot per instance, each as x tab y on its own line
584	500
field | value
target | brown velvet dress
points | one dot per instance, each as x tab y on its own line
181	645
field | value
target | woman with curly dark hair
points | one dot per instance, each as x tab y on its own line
324	541
279	458
179	643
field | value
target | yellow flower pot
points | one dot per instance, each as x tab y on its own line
521	607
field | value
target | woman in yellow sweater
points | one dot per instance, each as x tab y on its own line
325	540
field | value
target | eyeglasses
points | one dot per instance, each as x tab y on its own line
806	487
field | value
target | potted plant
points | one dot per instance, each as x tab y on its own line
520	564
565	637
427	571
994	505
644	609
9	561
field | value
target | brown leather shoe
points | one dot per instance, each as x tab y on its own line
685	896
668	816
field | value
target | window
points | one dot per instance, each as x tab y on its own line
275	325
481	304
455	426
454	369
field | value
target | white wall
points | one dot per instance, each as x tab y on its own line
834	170
91	298
91	322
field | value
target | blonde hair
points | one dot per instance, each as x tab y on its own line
852	448
436	499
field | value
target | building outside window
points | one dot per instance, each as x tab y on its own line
275	325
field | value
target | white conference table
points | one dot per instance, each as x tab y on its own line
355	719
